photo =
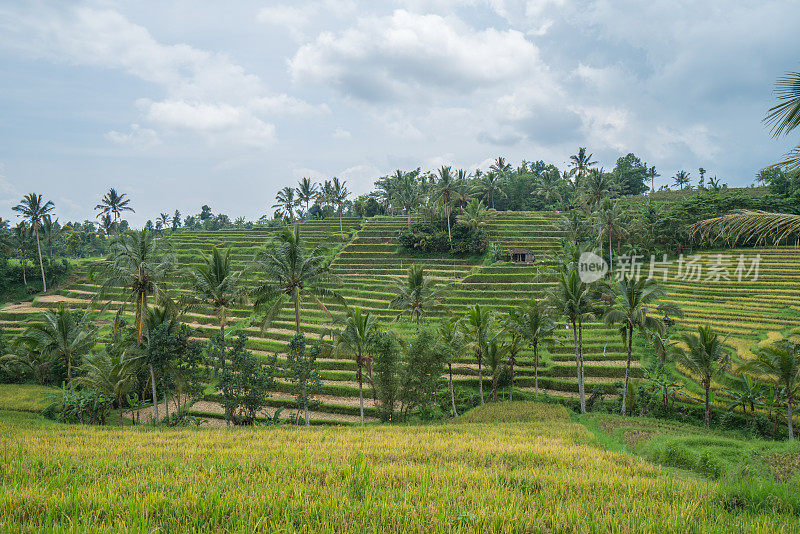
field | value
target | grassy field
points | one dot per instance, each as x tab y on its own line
540	473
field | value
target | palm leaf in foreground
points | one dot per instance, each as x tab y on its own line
757	226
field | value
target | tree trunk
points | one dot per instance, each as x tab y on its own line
119	411
449	235
707	417
629	340
41	264
24	274
511	370
610	253
577	331
341	227
222	351
417	323
360	392
535	369
296	310
166	404
452	394
480	377
789	402
155	396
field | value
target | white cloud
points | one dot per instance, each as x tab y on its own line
9	194
340	133
404	55
136	137
299	20
207	92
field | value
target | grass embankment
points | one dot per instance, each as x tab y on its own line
542	475
23	397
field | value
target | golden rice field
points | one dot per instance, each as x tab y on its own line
535	476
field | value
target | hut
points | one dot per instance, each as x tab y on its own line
521	255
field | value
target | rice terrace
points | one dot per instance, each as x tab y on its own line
353	318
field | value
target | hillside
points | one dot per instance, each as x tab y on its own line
367	258
545	474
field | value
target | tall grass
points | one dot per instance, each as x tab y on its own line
512	477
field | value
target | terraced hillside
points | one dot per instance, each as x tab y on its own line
368	258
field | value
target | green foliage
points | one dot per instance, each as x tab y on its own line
387	361
422	373
86	406
304	373
245	383
431	237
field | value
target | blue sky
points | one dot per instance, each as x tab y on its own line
203	103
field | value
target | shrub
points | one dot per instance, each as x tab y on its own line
386	365
87	406
245	383
432	237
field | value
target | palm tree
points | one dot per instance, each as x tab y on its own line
478	328
681	178
634	301
580	164
407	194
111	375
354	337
113	204
215	282
135	264
546	186
33	209
745	392
490	185
448	189
417	293
597	186
339	194
750	226
164	219
50	231
496	350
531	323
290	272
452	339
63	335
20	237
784	116
286	202
176	220
652	173
609	218
475	214
573	299
707	356
780	362
306	191
107	224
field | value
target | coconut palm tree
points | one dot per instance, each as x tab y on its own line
289	272
50	232
496	351
107	224
417	293
500	167
652	173
490	186
306	191
681	178
449	189
338	197
547	187
113	375
135	264
214	282
286	202
34	209
531	323
354	338
19	241
634	302
452	340
579	164
64	335
407	194
478	328
707	356
113	204
475	214
609	218
780	362
574	300
745	392
597	186
749	225
784	116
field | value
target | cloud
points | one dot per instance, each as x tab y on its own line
299	20
136	137
207	93
404	55
340	133
9	194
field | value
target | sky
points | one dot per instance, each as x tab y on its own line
185	103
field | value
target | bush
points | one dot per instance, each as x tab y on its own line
245	383
85	406
431	237
386	365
